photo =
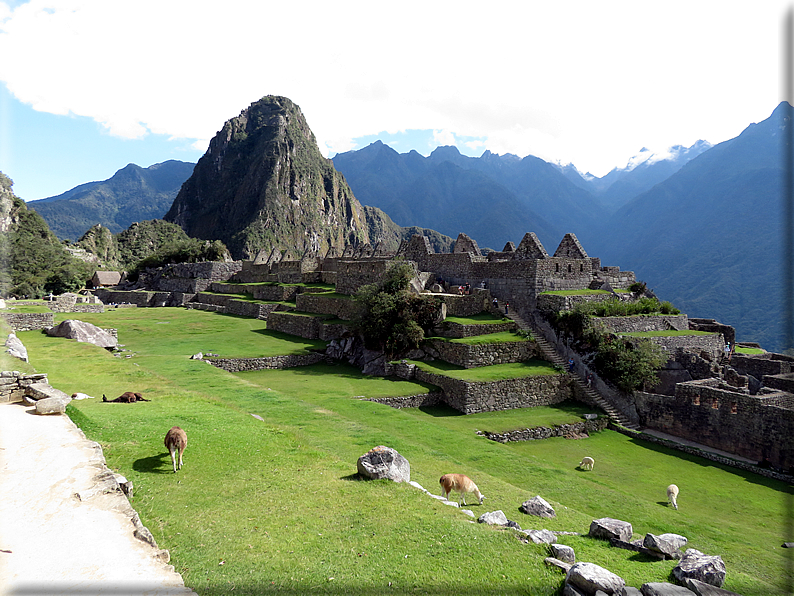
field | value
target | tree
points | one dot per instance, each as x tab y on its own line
393	319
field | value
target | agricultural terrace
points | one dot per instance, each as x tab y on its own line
275	505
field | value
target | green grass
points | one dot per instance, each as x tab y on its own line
490	338
25	308
478	319
741	350
665	333
278	502
584	292
497	372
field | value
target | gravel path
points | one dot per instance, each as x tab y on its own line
60	532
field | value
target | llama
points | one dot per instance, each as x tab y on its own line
176	440
460	484
672	495
587	463
128	397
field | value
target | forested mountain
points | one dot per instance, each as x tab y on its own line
263	185
33	261
132	194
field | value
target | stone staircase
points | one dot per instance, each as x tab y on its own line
552	355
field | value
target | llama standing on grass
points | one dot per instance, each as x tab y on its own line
587	463
461	484
176	440
672	495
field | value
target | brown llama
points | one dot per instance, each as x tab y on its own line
176	440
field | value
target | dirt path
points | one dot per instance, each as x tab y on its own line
54	542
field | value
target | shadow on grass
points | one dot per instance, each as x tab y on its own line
440	411
352	477
155	464
705	462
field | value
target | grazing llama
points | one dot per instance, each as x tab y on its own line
461	484
672	495
587	463
176	440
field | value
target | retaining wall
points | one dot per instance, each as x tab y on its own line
474	355
712	344
301	325
29	321
458	330
639	323
273	362
413	401
344	308
544	432
471	397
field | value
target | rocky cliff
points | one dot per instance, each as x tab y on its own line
264	184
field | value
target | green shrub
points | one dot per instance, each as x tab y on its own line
392	319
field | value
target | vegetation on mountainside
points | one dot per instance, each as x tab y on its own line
35	262
151	243
281	508
393	319
629	365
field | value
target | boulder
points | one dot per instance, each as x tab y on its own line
384	462
16	348
664	589
538	506
52	405
494	518
609	528
669	545
84	332
563	553
705	568
703	589
589	578
541	536
198	356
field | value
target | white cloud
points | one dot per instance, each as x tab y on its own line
580	81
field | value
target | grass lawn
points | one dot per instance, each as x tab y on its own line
489	338
497	372
665	333
275	505
585	292
741	350
478	319
25	308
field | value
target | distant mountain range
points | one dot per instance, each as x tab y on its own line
701	225
132	194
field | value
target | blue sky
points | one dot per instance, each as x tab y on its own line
88	86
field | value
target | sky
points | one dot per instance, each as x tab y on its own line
88	86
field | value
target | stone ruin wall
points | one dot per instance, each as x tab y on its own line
457	330
21	321
642	323
475	355
351	275
13	385
754	427
472	397
343	308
